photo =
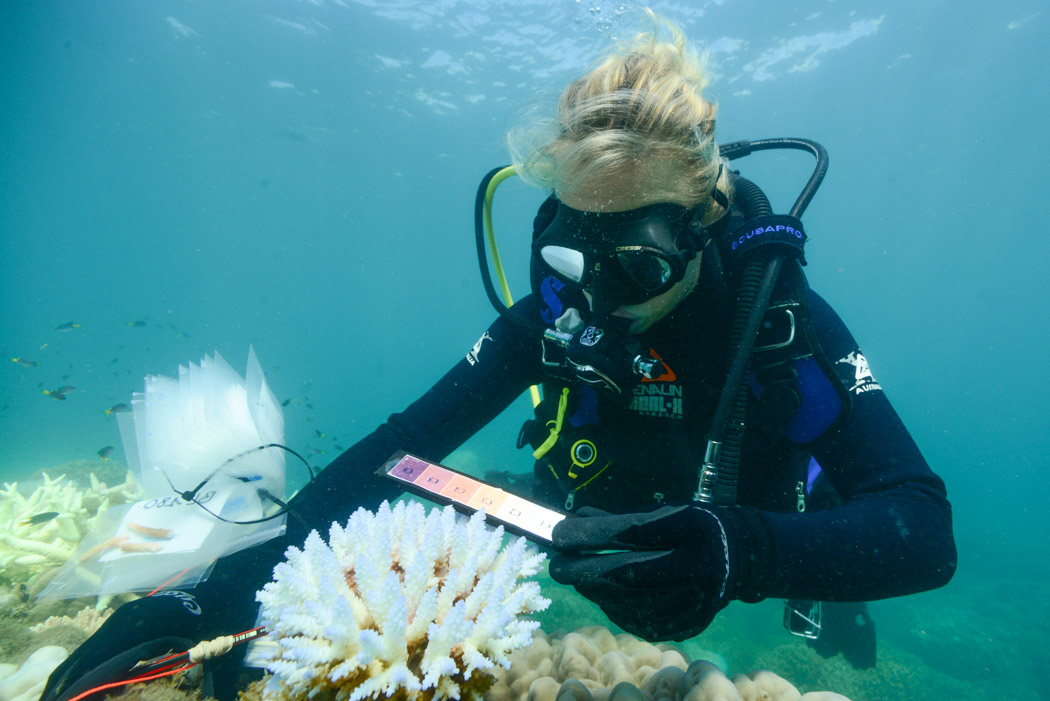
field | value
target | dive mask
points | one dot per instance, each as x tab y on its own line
620	258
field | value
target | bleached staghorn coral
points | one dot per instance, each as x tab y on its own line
28	548
399	602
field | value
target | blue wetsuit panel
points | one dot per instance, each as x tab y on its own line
821	404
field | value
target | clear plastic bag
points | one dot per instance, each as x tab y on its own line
203	435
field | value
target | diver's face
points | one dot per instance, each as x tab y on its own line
620	194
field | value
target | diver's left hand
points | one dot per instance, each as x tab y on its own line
672	570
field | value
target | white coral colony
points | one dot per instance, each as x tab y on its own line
400	602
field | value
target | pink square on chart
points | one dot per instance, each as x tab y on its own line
434	478
460	488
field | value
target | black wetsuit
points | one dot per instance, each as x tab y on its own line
891	535
885	531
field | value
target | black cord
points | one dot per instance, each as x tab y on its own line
191	494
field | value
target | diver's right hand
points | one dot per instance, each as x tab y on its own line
175	620
138	630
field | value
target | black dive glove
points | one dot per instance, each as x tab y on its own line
173	621
674	569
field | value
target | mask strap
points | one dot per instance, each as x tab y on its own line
718	195
701	235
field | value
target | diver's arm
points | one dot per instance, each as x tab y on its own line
891	536
457	406
494	372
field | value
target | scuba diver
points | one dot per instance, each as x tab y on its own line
707	417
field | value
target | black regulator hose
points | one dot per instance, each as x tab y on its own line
757	281
756	285
739	149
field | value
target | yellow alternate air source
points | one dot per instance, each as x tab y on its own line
490	236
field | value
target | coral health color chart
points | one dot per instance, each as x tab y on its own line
439	483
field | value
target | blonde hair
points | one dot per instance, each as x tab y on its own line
641	110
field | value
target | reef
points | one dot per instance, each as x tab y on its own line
42	530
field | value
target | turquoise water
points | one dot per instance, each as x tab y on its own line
300	176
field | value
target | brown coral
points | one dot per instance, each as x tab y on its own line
592	664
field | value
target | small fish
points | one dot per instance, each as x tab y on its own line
115	408
54	394
68	326
38	519
316	451
318	432
104	453
137	324
65	389
25	363
286	402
